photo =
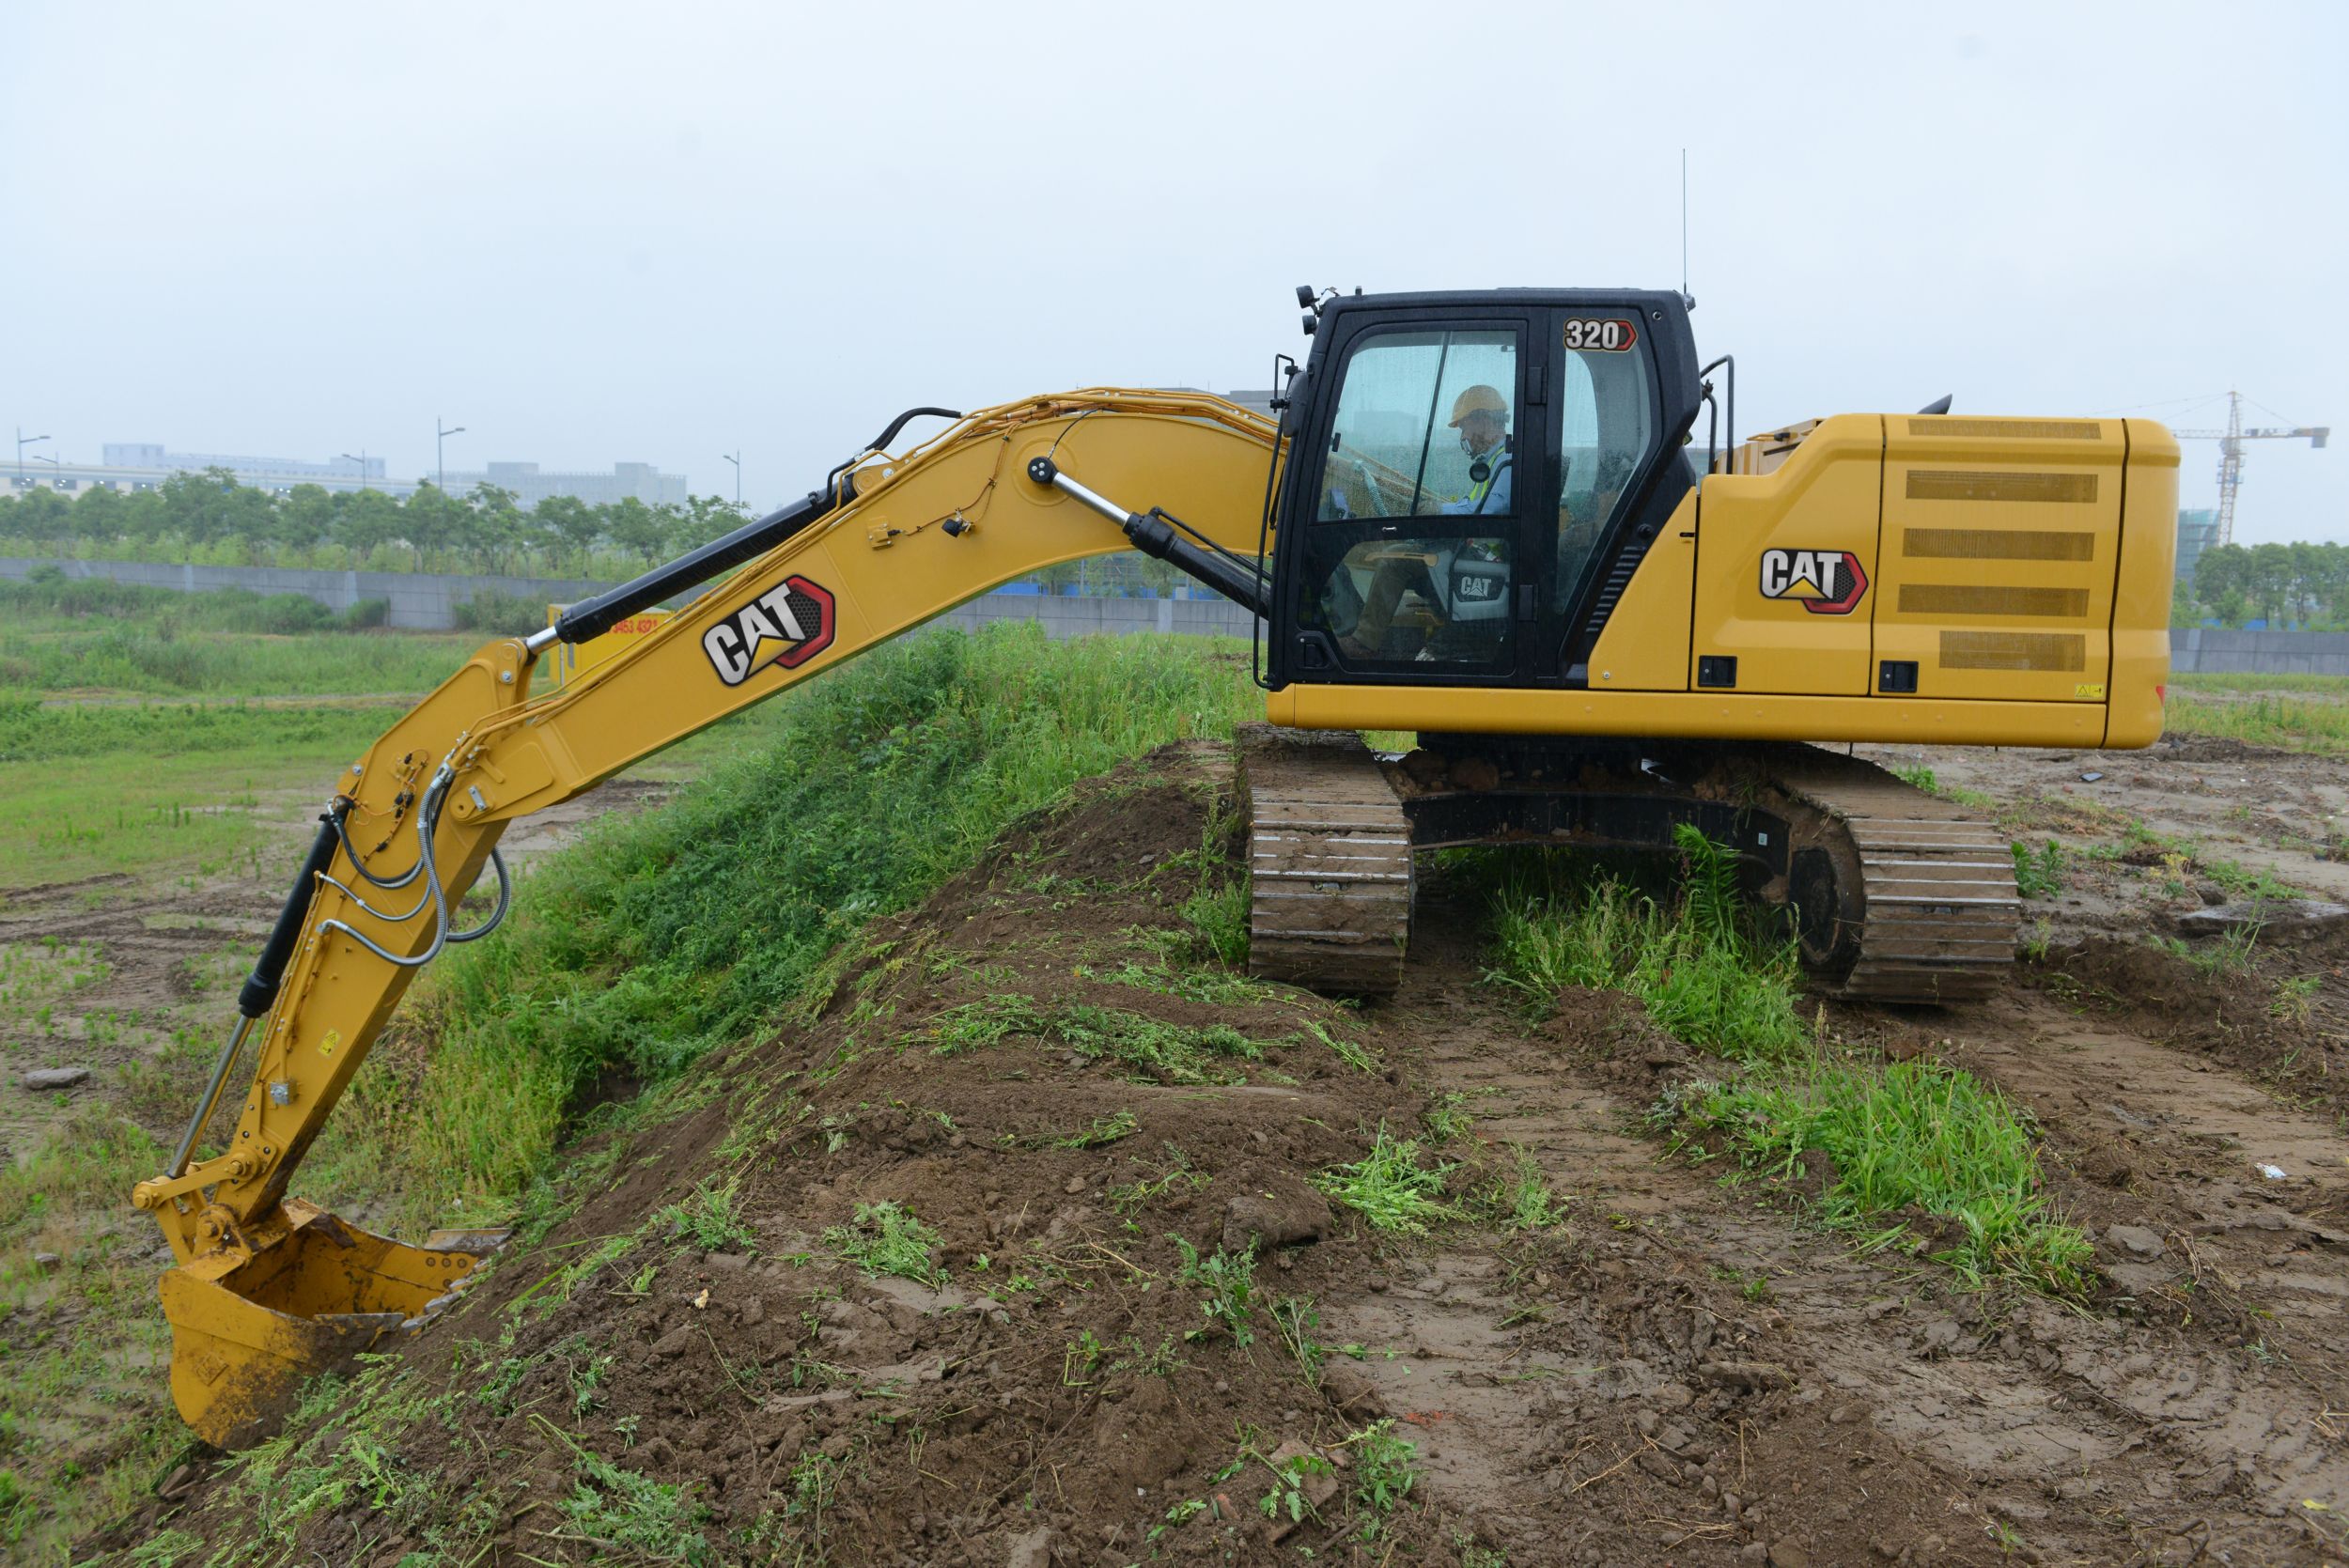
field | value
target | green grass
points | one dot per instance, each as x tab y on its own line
154	805
107	637
2038	873
1163	1051
1900	1135
2240	681
1701	968
1389	1189
1907	1135
1227	1286
710	1220
658	937
2315	719
884	1238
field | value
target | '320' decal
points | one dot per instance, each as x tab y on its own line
784	628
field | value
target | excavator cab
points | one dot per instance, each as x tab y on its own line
1469	475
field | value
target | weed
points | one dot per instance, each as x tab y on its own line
1447	1118
2295	996
1290	1477
1355	1056
1384	1471
1521	1200
612	1507
709	1219
1211	988
2040	875
1389	1189
1216	914
1104	1130
1297	1319
1128	1199
1229	1282
884	1238
1167	1052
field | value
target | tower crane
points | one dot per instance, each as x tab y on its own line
2230	442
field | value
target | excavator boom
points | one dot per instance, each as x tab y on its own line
268	1289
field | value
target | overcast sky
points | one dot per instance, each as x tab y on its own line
592	232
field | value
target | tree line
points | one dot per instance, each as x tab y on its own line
209	518
2303	585
485	530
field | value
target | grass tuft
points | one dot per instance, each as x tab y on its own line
1389	1189
1903	1138
708	1219
1701	968
884	1238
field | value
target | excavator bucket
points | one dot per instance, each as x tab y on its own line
304	1296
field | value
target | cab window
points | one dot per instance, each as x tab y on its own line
1424	428
1411	557
1605	420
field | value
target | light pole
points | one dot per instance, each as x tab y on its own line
439	459
735	458
22	441
362	460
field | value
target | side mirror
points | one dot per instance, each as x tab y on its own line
1300	391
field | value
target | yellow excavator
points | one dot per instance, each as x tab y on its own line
1478	516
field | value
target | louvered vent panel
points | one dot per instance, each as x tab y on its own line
2014	650
1965	598
1999	544
2010	429
1957	483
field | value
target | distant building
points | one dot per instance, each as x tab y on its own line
253	471
640	481
2197	530
131	466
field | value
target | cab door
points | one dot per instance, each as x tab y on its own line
1417	561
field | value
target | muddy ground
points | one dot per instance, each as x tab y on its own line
1675	1372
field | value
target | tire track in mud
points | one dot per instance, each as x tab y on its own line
1629	1392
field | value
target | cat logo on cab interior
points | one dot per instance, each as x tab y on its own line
1828	581
785	627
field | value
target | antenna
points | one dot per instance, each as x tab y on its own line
1686	298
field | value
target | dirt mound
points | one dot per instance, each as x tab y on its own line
1061	1137
2286	1030
1012	1245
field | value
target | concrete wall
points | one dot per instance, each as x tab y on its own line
427	602
2201	650
424	601
420	601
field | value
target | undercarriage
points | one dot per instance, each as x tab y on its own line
1891	894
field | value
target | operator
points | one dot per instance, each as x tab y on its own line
1481	415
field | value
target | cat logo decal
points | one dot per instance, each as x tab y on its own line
1828	581
784	628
